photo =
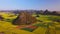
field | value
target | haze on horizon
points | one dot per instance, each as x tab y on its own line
30	4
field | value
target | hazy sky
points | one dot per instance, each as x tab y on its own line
30	4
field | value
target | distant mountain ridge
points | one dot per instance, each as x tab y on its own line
31	11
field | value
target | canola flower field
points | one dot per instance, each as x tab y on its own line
46	24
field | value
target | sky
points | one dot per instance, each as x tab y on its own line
30	4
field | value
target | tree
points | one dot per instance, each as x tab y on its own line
37	13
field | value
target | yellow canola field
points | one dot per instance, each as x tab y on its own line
8	28
40	30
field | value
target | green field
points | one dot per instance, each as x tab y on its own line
46	24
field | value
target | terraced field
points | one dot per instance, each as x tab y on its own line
46	24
